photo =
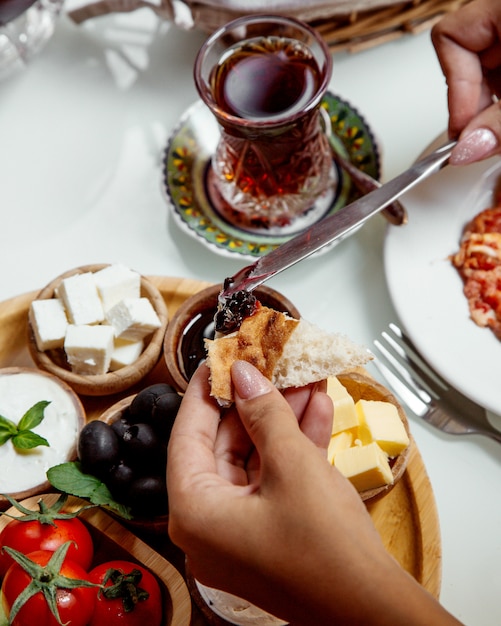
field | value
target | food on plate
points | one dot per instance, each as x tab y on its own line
478	261
100	320
367	434
290	352
42	417
127	451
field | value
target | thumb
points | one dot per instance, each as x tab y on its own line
265	413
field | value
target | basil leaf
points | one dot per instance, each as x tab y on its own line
33	416
26	440
69	478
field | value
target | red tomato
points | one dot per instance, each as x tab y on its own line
75	606
32	535
111	611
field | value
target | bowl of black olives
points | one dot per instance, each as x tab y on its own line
126	448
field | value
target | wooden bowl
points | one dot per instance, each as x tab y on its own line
153	525
53	389
113	541
188	324
361	386
54	361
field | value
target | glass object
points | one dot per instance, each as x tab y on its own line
263	78
25	28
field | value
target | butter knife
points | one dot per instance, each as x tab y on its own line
333	227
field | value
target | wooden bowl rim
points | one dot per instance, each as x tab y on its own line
111	382
81	416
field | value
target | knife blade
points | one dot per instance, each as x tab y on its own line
333	227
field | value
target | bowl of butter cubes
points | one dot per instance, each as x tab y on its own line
100	328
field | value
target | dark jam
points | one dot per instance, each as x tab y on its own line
234	310
266	77
228	318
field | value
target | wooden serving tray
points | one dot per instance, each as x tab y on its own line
406	517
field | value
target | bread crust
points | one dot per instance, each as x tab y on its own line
260	340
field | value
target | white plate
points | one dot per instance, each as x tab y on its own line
427	291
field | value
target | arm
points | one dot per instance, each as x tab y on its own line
254	495
468	46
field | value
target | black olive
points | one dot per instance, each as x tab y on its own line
142	405
141	446
164	413
98	448
119	479
120	426
148	496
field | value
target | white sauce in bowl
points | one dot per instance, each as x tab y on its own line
25	469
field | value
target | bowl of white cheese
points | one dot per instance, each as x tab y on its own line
100	328
40	420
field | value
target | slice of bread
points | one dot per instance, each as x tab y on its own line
290	352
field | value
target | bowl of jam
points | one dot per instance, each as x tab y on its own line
193	322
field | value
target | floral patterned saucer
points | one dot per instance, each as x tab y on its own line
187	157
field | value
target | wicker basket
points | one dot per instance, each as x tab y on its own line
360	30
351	25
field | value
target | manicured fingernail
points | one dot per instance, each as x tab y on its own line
473	147
249	382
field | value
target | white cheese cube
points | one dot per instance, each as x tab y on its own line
48	321
89	348
81	299
116	282
345	414
380	422
125	353
133	319
366	467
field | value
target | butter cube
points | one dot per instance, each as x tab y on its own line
380	422
48	321
81	299
339	441
116	282
125	353
366	467
345	414
133	318
89	348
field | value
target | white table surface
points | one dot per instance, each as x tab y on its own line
82	132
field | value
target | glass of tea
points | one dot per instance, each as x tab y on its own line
263	78
25	28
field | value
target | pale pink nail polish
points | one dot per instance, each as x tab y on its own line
473	147
249	382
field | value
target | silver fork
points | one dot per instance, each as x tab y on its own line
425	393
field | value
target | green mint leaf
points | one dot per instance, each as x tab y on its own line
7	426
69	478
33	416
22	436
26	440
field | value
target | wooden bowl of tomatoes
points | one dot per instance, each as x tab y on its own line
107	563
